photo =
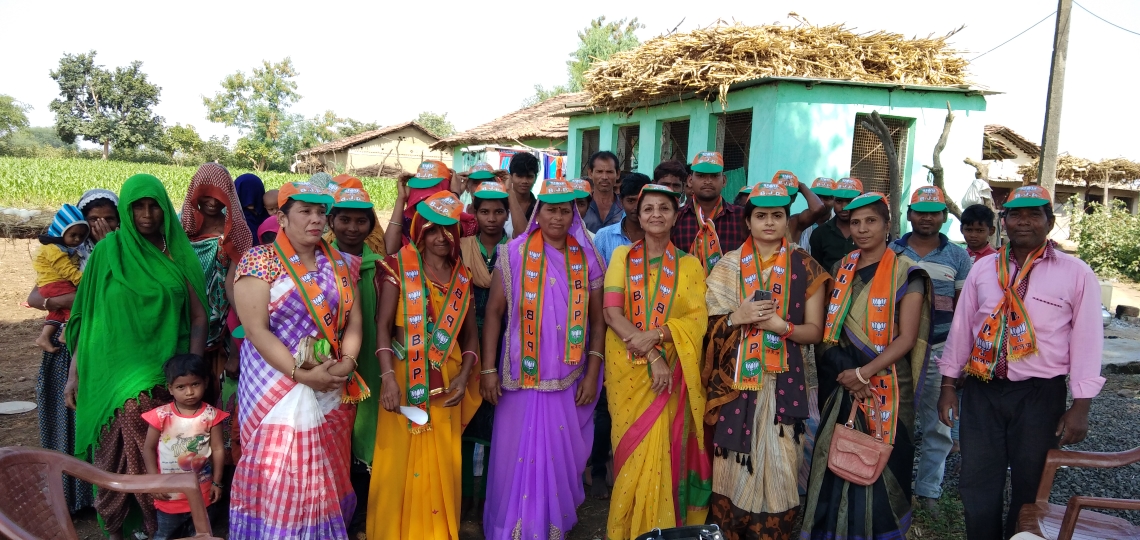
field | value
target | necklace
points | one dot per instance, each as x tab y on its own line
164	243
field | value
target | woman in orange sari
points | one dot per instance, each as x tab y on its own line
655	308
427	348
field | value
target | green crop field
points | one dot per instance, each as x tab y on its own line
48	183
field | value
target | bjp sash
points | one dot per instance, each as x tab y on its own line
534	282
878	325
331	327
761	350
1009	325
650	311
706	246
422	354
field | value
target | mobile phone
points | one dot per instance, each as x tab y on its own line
762	295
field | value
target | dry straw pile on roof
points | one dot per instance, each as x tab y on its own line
709	60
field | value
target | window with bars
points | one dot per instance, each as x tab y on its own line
627	148
868	159
733	139
675	140
590	143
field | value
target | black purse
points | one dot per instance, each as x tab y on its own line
692	532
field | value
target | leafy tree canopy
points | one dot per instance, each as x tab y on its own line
436	123
12	115
598	41
105	106
258	105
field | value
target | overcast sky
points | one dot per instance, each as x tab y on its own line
387	61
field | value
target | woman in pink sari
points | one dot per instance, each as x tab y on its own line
547	287
655	309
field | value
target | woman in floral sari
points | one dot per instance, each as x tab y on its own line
220	237
757	390
874	347
425	298
655	310
547	285
295	394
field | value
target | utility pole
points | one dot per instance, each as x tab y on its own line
1047	171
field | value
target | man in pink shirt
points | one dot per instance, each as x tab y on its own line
1019	336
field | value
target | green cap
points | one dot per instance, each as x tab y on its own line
769	195
869	197
556	191
481	170
1026	196
657	188
927	199
708	162
429	174
443	208
490	190
824	187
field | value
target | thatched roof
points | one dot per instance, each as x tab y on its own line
1072	170
1026	146
362	137
994	149
534	122
707	61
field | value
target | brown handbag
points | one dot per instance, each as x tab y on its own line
855	456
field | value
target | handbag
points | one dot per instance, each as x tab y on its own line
855	456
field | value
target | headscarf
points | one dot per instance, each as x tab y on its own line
577	230
131	312
90	196
269	225
251	192
213	180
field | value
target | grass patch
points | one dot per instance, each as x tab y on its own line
950	524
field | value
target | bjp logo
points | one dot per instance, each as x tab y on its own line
636	278
319	299
531	274
779	270
747	259
531	296
666	290
415	320
879	303
1019	330
668	271
879	327
983	345
414	296
833	308
534	255
412	275
575	268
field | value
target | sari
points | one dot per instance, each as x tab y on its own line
836	508
293	478
542	439
131	314
758	435
251	193
416	484
662	473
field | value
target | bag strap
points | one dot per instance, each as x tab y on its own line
873	405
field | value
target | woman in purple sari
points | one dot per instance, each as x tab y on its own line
548	288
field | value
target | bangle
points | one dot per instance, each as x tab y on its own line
789	328
662	332
472	353
859	375
598	354
389	372
394	222
659	357
293	374
45	304
728	320
488	371
949	386
355	364
217	485
377	353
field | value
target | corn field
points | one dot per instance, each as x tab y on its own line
48	183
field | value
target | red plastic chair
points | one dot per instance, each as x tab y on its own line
1056	522
32	504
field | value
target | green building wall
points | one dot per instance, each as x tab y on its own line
809	130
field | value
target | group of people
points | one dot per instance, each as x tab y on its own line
325	375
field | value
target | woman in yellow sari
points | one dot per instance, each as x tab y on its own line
655	309
424	300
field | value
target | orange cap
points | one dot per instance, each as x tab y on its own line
345	180
443	208
848	188
429	174
708	162
787	179
582	188
481	170
304	192
771	195
927	199
823	186
556	191
1031	195
490	190
351	197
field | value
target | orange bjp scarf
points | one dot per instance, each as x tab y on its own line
706	246
650	310
1009	325
534	282
761	350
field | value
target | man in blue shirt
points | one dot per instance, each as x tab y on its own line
948	264
602	171
628	230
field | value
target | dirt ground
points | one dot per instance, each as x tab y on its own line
20	364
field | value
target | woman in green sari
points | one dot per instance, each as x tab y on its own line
874	347
141	302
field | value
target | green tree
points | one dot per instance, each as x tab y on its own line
258	105
105	106
436	123
598	41
39	137
349	127
216	149
180	142
12	115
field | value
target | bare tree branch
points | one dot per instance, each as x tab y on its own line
937	171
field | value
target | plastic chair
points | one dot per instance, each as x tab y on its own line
32	504
1055	522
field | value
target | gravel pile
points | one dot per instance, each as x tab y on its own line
1114	426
